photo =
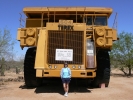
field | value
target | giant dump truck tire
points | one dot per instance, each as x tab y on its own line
103	69
29	72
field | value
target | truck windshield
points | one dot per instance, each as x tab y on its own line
98	20
89	20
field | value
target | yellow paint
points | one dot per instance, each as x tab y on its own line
75	73
38	73
40	52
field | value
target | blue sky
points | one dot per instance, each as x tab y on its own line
10	9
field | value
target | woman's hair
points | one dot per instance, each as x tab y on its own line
65	63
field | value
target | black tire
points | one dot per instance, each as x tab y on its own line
103	69
29	72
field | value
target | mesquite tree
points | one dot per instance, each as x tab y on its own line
122	53
6	48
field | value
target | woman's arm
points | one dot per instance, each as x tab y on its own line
61	72
70	73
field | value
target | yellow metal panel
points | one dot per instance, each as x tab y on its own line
99	9
60	66
109	33
91	9
79	27
22	42
63	9
80	8
109	42
18	34
38	73
114	34
22	34
40	53
75	73
34	10
30	41
52	26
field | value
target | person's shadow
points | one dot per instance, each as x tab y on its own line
55	86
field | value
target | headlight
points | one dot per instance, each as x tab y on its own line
50	66
30	31
79	67
30	41
55	67
73	67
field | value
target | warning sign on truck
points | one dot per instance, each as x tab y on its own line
64	54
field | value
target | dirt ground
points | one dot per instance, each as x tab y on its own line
120	88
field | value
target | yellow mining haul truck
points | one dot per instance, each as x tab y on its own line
79	35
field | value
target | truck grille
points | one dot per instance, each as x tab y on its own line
65	40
